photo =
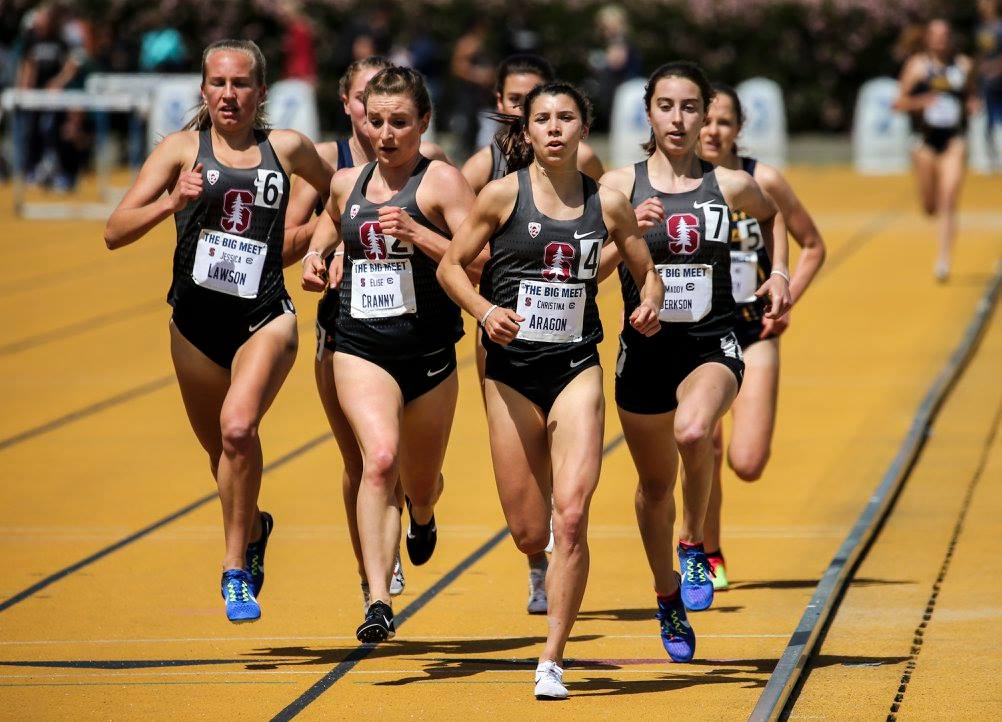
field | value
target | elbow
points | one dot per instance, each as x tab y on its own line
111	242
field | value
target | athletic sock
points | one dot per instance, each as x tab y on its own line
669	598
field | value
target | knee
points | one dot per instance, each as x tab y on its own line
530	540
929	206
749	465
569	526
239	432
654	491
380	468
691	433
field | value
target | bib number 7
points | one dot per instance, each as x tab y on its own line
715	217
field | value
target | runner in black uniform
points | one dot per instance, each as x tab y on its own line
546	225
302	220
233	332
754	409
671	389
395	359
936	87
516	76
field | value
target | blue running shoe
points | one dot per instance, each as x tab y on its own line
697	582
676	634
238	591
254	558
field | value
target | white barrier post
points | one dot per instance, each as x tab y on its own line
174	102
629	127
293	104
880	134
764	133
980	155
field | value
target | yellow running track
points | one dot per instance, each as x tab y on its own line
111	542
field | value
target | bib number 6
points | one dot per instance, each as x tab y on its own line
270	189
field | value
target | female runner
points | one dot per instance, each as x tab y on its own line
233	331
754	409
546	225
937	88
301	222
516	76
395	359
672	389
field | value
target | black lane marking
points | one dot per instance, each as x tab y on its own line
147	530
87	324
61	421
930	605
364	650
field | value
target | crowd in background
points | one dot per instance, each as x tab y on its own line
818	52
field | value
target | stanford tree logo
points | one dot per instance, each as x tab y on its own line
373	241
237	204
683	233
557	259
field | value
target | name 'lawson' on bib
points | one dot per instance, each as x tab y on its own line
553	312
688	291
380	289
229	264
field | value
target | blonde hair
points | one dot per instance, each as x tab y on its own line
201	120
373	62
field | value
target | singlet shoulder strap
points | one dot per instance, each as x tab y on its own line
205	145
641	181
362	182
267	150
748	165
344	157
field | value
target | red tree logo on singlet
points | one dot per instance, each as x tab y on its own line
373	241
557	261
237	204
683	233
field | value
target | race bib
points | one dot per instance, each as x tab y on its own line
688	291
553	312
744	275
229	264
944	112
380	289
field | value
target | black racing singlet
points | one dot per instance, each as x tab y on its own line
327	307
750	260
391	302
949	111
545	270
229	239
691	252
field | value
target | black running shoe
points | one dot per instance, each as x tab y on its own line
378	624
421	538
255	552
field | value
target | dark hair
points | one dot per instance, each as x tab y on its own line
523	64
725	89
675	69
511	139
201	119
397	80
376	62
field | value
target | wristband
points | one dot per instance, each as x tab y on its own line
490	310
779	273
311	253
338	253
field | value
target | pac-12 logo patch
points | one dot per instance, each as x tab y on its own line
373	241
213	176
354	210
237	205
557	258
534	229
683	233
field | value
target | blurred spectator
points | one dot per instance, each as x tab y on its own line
162	49
990	67
299	43
47	61
616	63
473	71
417	48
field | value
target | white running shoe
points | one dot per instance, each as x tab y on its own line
941	272
550	681
397	581
549	546
537	592
366	599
